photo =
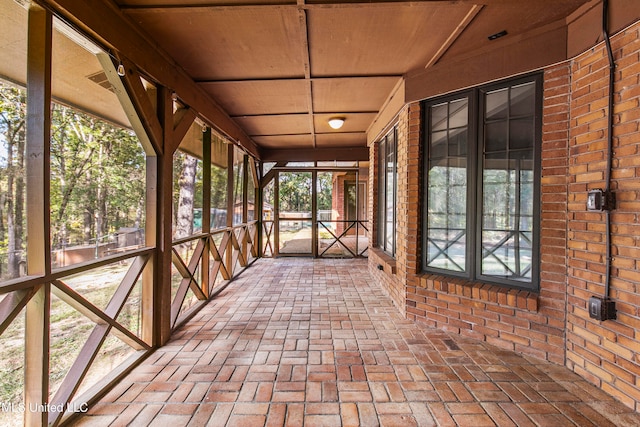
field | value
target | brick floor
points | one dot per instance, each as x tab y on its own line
295	342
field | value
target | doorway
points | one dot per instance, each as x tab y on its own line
315	212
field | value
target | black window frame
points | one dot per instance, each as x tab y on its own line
475	156
387	146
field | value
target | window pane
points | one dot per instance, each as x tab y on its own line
458	142
219	178
521	133
439	117
238	185
508	184
523	100
459	113
447	190
390	196
387	179
187	184
496	136
98	161
381	190
13	108
438	144
446	221
496	104
13	238
251	194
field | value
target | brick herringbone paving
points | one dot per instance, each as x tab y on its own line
303	342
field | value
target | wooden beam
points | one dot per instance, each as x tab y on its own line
37	319
182	120
228	250
151	237
473	12
78	371
104	22
269	175
164	205
138	100
206	208
12	304
93	313
533	50
121	92
316	154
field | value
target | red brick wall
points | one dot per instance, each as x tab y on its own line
337	202
553	324
522	321
338	199
606	353
385	270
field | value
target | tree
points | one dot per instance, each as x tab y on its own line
295	191
13	137
186	182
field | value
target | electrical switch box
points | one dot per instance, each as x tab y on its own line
602	308
595	200
601	200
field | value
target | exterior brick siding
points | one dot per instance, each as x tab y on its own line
554	323
605	353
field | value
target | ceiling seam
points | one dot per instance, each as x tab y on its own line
304	34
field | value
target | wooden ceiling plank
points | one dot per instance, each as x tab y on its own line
203	7
103	21
306	55
473	12
316	154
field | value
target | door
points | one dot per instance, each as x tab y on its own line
294	216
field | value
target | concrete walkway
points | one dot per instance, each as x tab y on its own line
303	342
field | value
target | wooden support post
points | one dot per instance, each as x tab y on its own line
230	208
151	239
206	207
245	204
259	215
314	213
36	384
276	214
162	294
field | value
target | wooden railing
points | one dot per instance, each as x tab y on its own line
217	257
347	240
88	325
347	237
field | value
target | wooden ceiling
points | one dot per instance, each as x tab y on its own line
281	68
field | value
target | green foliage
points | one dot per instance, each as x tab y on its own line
295	191
97	175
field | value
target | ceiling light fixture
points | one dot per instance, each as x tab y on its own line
336	122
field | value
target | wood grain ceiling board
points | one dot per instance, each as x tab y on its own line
72	66
13	42
379	39
71	70
248	98
285	141
285	124
226	43
515	17
355	94
354	122
355	139
179	3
